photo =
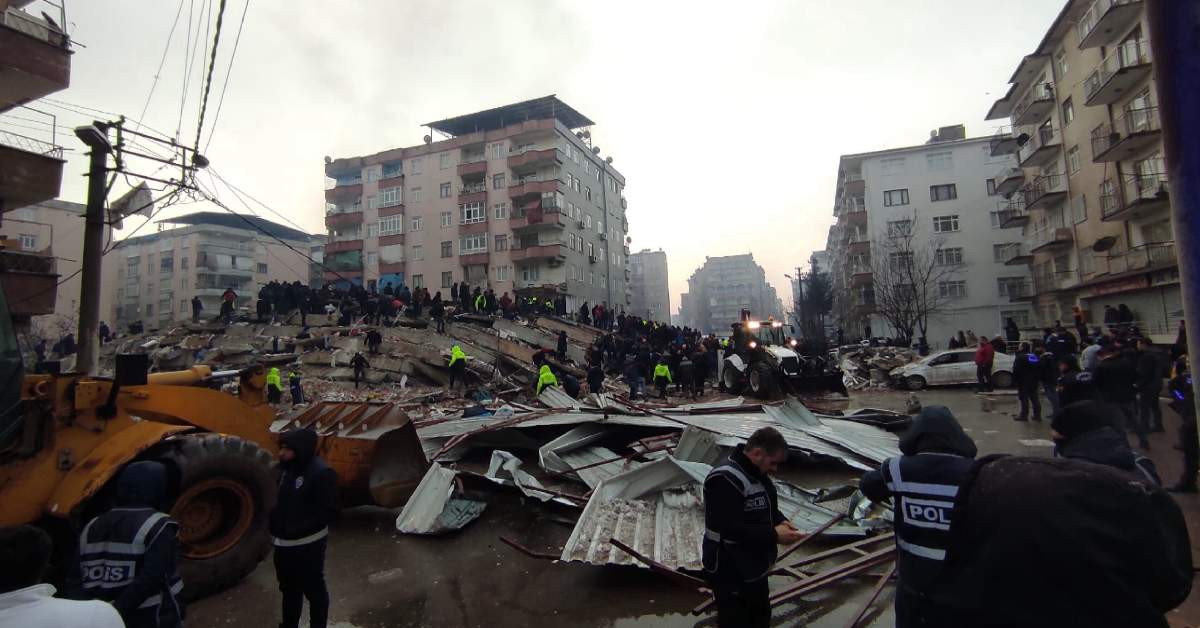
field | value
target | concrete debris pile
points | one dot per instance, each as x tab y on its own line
868	367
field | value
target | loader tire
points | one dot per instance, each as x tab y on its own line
762	380
226	487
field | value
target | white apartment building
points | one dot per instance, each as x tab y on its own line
651	298
721	288
945	192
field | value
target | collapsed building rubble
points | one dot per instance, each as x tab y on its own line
868	367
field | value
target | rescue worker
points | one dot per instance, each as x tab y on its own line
294	385
480	301
561	349
1183	402
129	555
360	366
457	365
743	525
274	386
197	307
662	377
545	378
299	523
923	484
595	378
1027	374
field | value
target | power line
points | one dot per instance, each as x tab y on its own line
187	65
236	190
228	71
162	61
83	112
212	62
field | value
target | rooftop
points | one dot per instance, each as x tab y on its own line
500	117
232	221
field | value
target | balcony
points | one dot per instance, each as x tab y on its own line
1036	106
1120	72
854	185
345	261
391	210
1143	257
857	217
343	245
1132	133
474	259
349	192
30	168
1046	144
387	267
1106	20
28	280
1139	195
35	58
530	159
528	187
469	227
859	247
1004	142
343	219
1016	255
535	217
1047	190
1020	291
1009	180
1048	237
473	168
860	276
547	252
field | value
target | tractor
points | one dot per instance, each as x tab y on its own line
767	363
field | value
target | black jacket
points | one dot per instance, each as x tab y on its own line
1183	400
1149	373
740	526
307	500
1027	371
1114	379
595	376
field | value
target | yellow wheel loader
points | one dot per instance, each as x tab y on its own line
65	437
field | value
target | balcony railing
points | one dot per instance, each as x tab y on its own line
853	203
1013	252
1003	142
473	188
30	145
1131	132
1017	290
1042	190
1104	19
1041	146
1036	105
1130	54
1142	188
35	27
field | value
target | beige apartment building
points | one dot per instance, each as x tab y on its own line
517	198
1091	191
651	298
153	277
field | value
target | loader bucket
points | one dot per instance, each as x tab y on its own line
373	448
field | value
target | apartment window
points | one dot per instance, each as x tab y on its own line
414	165
391	225
530	273
1009	286
500	211
418	281
1000	251
1060	63
447	248
991	187
940	161
900	261
1073	160
372	203
418	253
391	253
497	150
415	224
262	268
183	262
28	242
891	165
899	227
392	170
591	250
447	278
945	192
471	213
444	161
945	224
447	219
587	221
952	289
1062	263
1068	111
1087	261
502	273
1020	317
587	193
414	195
892	198
501	243
372	231
474	243
372	258
950	256
498	181
444	189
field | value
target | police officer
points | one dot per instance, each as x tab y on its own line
743	525
128	556
1028	373
923	484
299	523
1183	402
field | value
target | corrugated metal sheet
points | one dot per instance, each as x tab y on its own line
506	468
555	397
697	445
574	449
434	509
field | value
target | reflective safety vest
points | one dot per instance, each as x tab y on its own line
545	378
456	354
662	370
480	301
112	550
273	379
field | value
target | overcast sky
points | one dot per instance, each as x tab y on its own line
726	119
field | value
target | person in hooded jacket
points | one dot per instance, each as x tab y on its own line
1091	431
129	556
274	386
595	377
1028	373
299	523
923	484
457	365
1183	402
545	378
28	602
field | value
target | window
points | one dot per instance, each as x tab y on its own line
945	224
899	227
500	211
447	248
946	192
471	213
900	261
414	195
950	256
391	225
414	165
498	181
891	165
262	268
372	231
474	243
444	189
892	198
991	187
183	262
502	273
1068	111
591	250
587	221
1001	252
501	243
940	161
1073	160
530	273
497	150
1087	261
952	289
1062	263
391	253
587	193
392	170
372	258
447	278
444	161
28	242
418	252
415	224
418	281
1009	286
1060	63
1020	317
447	219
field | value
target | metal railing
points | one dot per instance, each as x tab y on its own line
473	188
1016	288
472	159
35	27
853	203
1040	91
1045	136
1133	121
1013	251
1002	134
1091	17
1126	55
1143	257
1145	187
1043	185
30	145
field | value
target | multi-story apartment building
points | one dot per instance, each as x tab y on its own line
154	277
1091	192
516	198
945	193
651	298
720	289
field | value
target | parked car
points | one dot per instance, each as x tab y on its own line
951	367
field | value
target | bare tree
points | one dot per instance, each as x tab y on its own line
915	278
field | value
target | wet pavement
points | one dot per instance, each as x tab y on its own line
379	578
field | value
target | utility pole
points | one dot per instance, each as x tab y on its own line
96	137
1175	43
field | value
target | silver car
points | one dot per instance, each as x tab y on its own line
951	367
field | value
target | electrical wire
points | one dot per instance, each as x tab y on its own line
239	192
228	72
212	62
83	112
187	64
162	61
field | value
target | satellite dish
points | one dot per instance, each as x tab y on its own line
1104	244
595	150
427	139
587	134
1022	139
608	159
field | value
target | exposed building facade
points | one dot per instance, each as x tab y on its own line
155	276
517	199
651	298
945	194
720	289
1091	192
